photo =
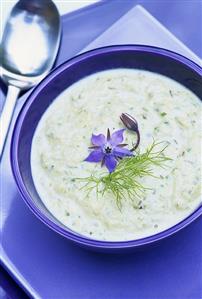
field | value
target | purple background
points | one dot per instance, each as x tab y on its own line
143	272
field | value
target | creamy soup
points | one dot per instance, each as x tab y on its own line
165	111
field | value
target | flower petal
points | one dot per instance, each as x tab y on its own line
98	139
110	162
122	152
95	156
117	137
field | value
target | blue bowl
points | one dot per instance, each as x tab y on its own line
148	58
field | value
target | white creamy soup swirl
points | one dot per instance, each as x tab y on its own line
165	111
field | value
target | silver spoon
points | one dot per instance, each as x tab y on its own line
28	50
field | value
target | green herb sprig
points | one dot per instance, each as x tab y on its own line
124	182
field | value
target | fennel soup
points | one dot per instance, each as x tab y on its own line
112	178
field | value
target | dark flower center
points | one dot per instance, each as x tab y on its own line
108	149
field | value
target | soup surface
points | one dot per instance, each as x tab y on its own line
165	111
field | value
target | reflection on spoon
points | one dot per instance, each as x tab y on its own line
28	50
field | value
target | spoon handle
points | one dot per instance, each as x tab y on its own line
7	113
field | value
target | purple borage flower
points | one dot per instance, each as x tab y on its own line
108	150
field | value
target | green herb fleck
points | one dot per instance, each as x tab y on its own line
163	114
156	129
171	94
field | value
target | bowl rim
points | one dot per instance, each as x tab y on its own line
68	233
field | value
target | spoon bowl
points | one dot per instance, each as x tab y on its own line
28	50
